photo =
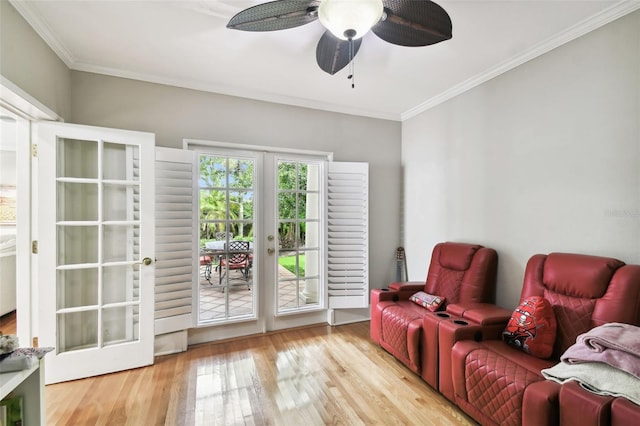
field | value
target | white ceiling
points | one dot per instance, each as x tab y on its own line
186	43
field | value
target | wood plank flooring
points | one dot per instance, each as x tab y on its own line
8	324
313	376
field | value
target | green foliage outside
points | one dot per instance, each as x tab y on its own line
289	263
292	182
227	199
217	174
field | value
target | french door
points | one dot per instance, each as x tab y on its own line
261	237
95	246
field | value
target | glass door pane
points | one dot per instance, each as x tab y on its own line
226	207
299	236
98	244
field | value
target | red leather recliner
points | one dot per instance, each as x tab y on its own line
461	273
497	384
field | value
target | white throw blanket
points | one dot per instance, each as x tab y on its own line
597	377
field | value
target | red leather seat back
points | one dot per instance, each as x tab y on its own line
462	273
585	291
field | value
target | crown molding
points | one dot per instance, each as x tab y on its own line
236	92
606	16
42	29
596	21
40	26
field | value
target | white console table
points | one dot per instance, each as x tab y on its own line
30	385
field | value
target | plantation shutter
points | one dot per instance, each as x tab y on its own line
348	235
175	266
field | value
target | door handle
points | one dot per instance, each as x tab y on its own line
270	251
146	261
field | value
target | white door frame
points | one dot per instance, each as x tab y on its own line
26	109
265	322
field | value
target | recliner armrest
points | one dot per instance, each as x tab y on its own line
383	295
418	285
481	313
406	289
579	407
540	404
378	297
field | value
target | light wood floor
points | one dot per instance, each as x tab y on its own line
8	324
312	376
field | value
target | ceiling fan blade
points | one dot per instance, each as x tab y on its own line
276	15
413	23
332	54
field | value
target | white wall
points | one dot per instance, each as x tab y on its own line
174	114
28	62
543	158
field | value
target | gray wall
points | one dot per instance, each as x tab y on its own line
543	158
174	114
28	62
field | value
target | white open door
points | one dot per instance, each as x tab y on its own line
95	218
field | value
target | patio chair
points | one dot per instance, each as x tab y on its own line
236	257
205	260
223	236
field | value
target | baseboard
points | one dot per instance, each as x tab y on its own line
348	316
170	343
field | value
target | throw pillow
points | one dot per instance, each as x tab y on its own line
429	301
532	327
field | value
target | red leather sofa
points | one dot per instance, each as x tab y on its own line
461	273
498	384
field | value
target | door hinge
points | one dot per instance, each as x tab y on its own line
34	343
34	247
34	150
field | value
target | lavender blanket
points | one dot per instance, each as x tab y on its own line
615	344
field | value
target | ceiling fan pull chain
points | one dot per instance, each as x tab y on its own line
351	75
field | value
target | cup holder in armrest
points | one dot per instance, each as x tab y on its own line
384	289
460	322
443	314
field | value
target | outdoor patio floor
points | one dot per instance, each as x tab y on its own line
213	298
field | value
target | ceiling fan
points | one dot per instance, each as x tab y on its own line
402	22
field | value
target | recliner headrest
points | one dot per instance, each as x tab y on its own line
457	256
579	275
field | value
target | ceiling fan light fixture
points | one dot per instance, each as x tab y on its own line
349	19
